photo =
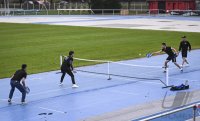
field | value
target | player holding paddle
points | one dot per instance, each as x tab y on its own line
172	54
16	80
67	67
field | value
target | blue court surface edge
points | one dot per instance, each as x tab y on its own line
96	95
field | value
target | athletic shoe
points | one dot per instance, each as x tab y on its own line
164	71
9	101
187	65
24	103
181	69
61	84
74	86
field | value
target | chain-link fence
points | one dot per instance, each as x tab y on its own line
78	8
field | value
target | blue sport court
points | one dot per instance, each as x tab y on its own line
130	96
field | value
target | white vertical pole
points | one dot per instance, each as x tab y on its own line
109	78
49	6
167	76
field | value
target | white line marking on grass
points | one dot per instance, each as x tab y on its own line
52	110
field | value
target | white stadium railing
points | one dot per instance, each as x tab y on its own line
194	106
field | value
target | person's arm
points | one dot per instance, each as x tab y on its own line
189	46
174	50
157	52
180	46
23	82
71	65
12	76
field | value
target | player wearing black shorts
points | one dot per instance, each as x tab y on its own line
171	52
19	76
184	47
67	67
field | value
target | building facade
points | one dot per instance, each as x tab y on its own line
167	5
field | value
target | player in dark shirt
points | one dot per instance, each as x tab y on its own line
16	80
67	67
184	47
171	52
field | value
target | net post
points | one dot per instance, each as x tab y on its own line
61	59
109	78
167	76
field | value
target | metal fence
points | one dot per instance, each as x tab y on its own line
16	12
135	8
63	5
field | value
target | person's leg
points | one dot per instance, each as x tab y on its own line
63	76
174	61
22	90
184	56
183	60
177	65
186	61
11	90
165	65
167	61
72	76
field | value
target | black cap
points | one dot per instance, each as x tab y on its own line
164	43
24	66
71	52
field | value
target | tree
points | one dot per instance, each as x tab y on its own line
105	4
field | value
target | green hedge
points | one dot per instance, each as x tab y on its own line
105	4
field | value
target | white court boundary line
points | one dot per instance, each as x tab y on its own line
57	111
